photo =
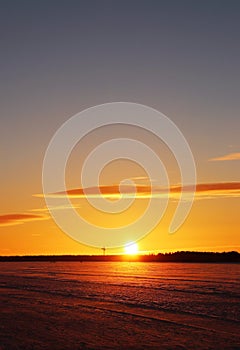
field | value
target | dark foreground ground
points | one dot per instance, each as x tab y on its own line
45	313
58	324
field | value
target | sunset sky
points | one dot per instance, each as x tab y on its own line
178	57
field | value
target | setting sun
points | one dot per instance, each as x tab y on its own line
131	248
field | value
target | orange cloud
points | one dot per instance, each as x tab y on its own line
206	187
205	190
59	207
231	156
19	218
213	190
107	191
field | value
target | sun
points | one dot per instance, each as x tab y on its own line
131	248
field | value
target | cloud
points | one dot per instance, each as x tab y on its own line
206	187
58	207
19	218
209	190
231	156
112	191
204	190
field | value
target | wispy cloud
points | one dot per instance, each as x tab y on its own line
59	207
205	190
210	190
227	157
19	218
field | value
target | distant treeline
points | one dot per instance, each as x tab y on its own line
186	257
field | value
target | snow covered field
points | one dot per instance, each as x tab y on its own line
119	305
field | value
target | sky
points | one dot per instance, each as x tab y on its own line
179	57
